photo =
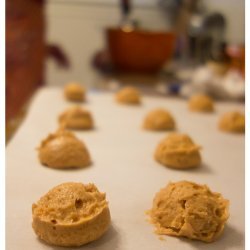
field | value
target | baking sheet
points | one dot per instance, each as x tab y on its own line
124	168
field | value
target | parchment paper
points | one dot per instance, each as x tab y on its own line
124	168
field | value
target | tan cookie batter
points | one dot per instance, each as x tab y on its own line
63	150
233	122
128	95
159	119
71	214
201	103
178	151
190	210
74	92
76	118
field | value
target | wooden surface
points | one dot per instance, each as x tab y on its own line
25	51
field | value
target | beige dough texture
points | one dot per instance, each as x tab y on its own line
63	150
201	103
128	95
71	214
74	92
76	118
159	119
190	210
178	151
233	122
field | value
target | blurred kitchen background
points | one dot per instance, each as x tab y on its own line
164	47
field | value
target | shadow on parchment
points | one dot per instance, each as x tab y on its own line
202	169
231	239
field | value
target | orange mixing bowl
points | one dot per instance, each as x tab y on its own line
139	51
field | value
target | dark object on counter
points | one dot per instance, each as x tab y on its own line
126	21
212	38
236	54
126	7
139	51
56	53
200	34
102	62
26	51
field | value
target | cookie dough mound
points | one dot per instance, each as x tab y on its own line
178	151
71	214
74	92
233	122
76	118
201	103
63	150
128	95
159	119
190	210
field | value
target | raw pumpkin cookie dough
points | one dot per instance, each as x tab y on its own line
190	210
63	150
128	95
71	214
76	118
233	122
201	103
159	119
178	151
74	92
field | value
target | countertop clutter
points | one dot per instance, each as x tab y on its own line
123	166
